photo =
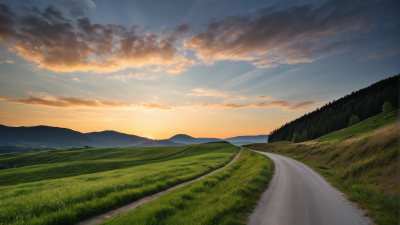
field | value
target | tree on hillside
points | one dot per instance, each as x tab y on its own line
303	136
387	106
296	138
353	120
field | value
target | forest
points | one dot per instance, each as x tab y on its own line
341	113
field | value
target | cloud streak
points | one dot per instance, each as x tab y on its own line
138	76
214	93
72	102
46	100
303	34
269	104
263	97
61	45
76	79
388	52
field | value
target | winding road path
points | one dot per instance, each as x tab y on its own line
299	195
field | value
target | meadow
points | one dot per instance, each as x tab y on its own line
53	164
361	161
73	198
225	197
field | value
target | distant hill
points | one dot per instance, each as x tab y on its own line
252	139
239	140
43	136
111	138
17	139
186	139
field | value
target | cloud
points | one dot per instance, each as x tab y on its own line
278	35
3	98
184	27
75	8
72	102
45	100
9	61
179	67
388	52
271	104
138	76
76	79
263	97
55	43
91	4
214	93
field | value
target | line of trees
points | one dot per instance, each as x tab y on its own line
340	113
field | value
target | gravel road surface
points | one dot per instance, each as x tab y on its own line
299	195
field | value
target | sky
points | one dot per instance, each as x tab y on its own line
205	68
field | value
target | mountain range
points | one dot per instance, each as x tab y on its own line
62	138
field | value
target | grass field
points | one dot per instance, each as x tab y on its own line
361	161
74	198
222	198
36	166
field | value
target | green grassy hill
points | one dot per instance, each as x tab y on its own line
54	164
361	160
37	195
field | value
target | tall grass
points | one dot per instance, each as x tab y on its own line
222	198
361	161
70	200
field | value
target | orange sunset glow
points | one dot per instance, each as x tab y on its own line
94	65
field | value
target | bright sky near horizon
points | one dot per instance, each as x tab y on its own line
157	68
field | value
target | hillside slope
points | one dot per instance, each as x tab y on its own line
361	160
43	194
35	166
335	115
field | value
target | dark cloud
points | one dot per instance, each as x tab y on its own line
62	45
75	9
179	30
182	28
7	11
52	13
28	10
281	34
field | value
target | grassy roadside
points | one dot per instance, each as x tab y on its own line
73	199
361	161
222	198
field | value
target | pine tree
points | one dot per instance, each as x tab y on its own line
304	135
296	138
